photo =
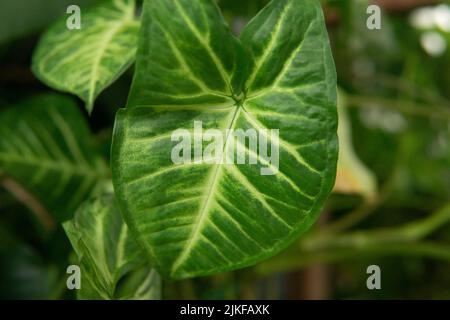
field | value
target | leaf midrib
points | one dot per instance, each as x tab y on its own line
212	182
128	18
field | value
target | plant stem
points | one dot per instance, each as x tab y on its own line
410	232
300	260
410	108
319	247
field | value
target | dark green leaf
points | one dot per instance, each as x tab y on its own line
46	146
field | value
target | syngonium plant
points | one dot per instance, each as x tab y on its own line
185	220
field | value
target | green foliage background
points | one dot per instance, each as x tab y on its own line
397	100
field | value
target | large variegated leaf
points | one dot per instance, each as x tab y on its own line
46	146
202	218
105	249
86	61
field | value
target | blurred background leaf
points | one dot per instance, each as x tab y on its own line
48	156
352	177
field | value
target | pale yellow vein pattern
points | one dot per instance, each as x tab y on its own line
271	44
204	208
85	61
103	244
205	42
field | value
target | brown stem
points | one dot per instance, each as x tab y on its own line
30	202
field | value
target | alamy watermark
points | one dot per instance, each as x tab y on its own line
374	280
74	279
73	21
232	146
374	20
